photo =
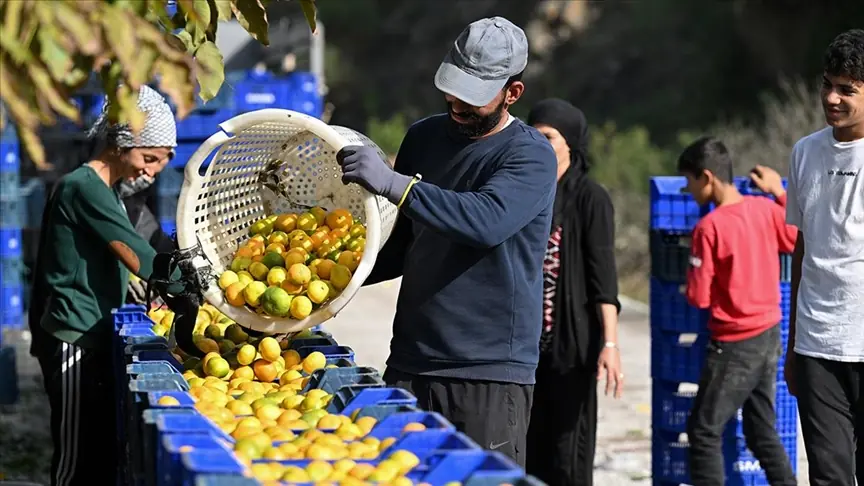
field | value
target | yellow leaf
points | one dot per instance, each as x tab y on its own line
48	92
12	17
202	12
79	28
186	38
33	145
166	43
310	12
176	81
55	57
211	74
223	7
15	100
127	98
253	17
16	50
120	34
140	72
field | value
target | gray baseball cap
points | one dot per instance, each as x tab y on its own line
485	55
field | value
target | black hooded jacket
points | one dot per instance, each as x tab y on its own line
587	274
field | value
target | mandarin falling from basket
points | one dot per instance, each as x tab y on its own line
293	263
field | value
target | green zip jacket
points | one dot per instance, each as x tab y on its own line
88	246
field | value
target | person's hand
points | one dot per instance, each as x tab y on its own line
137	290
789	373
767	180
361	164
610	365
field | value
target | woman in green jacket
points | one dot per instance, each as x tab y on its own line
88	248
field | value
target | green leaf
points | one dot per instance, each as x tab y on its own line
253	17
211	74
223	7
310	12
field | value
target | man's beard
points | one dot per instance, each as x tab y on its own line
478	125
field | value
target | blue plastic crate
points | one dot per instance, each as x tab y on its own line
670	310
129	314
742	468
134	370
10	186
224	480
11	272
785	267
332	380
11	213
169	226
392	425
677	356
10	157
671	209
12	306
348	399
343	352
168	186
199	126
746	188
474	467
671	403
161	355
191	423
258	92
184	152
186	400
786	409
10	242
670	256
199	462
785	298
168	467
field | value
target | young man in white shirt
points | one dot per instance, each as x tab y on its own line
825	358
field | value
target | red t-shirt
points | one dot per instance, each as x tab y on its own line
735	266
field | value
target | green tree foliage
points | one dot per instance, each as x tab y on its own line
48	50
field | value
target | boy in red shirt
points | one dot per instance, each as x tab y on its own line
735	272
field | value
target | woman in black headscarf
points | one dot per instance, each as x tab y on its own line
579	342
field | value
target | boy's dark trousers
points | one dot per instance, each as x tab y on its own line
738	374
493	414
831	404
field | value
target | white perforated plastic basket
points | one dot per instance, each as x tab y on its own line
216	209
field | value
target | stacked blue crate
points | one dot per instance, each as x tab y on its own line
11	288
11	285
679	335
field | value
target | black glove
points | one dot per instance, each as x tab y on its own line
176	280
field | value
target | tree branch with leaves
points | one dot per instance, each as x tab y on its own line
48	50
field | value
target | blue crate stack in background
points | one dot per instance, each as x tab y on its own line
11	288
679	335
242	92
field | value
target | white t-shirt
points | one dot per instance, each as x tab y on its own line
826	202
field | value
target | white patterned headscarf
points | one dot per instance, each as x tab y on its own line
159	130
